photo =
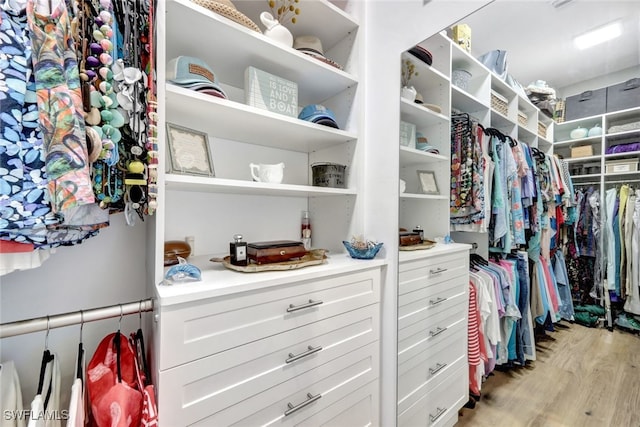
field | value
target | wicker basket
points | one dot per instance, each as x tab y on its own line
499	103
558	114
542	129
522	118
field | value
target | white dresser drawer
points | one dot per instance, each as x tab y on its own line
293	401
416	338
439	407
198	329
416	306
422	378
194	390
357	409
427	271
436	360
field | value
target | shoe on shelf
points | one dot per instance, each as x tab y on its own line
627	322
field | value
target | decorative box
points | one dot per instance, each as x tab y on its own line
586	104
623	95
270	92
582	151
407	134
621	166
461	34
275	251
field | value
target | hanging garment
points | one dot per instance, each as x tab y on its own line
60	107
76	415
112	384
473	344
622	210
610	201
628	235
45	407
562	280
10	395
632	305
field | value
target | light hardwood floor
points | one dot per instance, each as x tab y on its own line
582	377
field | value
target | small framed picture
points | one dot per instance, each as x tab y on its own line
427	182
188	151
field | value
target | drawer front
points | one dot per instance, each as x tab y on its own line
425	302
197	389
417	338
295	400
202	328
359	408
418	381
440	405
423	272
436	360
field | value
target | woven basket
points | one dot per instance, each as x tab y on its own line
499	103
522	118
558	114
542	129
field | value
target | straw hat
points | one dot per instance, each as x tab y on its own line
312	46
228	10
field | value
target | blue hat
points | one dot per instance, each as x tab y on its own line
192	73
320	114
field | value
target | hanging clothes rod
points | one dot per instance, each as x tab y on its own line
28	326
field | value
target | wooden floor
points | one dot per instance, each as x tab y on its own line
582	377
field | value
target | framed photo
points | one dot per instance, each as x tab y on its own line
188	151
427	182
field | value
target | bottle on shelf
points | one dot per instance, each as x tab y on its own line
305	230
238	251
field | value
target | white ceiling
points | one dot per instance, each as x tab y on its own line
538	38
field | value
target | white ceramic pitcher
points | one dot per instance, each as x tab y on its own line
267	173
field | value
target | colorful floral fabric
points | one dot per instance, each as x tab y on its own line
60	108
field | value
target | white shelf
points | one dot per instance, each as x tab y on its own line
586	176
577	141
423	196
619	155
581	159
622	135
419	115
438	249
500	121
465	102
217	280
229	48
174	182
411	156
223	118
621	174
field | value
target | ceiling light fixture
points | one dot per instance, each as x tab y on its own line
598	36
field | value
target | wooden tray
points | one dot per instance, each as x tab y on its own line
313	257
426	244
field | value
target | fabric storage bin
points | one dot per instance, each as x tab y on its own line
623	95
586	104
621	166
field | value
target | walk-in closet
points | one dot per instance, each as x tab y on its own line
319	212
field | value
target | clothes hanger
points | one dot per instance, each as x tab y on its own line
79	367
47	357
140	350
116	342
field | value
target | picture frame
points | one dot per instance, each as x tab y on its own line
427	182
189	151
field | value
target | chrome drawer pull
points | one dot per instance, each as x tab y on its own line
311	303
311	399
438	331
437	301
439	412
438	270
293	358
438	368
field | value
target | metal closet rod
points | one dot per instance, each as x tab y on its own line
37	324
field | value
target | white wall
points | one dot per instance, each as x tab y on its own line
106	269
599	82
